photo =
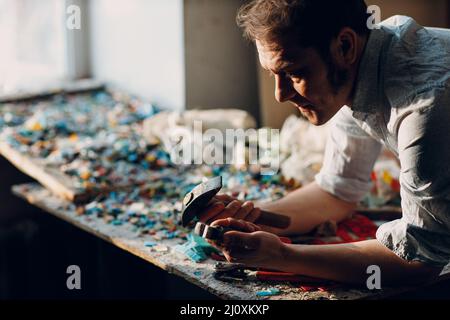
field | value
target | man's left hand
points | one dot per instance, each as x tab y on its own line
250	246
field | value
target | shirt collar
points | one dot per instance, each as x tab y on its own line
367	96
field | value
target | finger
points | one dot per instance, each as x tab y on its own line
237	241
224	198
245	226
221	223
246	208
253	215
240	246
229	222
254	226
229	257
232	223
211	211
230	210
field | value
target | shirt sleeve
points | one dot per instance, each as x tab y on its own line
350	155
423	232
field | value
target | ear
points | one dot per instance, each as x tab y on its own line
345	47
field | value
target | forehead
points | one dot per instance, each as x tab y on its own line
276	59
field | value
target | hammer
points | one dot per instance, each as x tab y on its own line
199	197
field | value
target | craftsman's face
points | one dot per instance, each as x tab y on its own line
303	78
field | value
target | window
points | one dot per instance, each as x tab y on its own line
33	48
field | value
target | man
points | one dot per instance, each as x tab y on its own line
388	86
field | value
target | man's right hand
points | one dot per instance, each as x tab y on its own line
223	206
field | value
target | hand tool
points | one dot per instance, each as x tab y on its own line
196	200
228	272
210	232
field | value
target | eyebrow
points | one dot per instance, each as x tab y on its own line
282	66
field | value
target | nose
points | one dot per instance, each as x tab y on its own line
284	90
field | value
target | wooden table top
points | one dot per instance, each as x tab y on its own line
200	274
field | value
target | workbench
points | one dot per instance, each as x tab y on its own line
59	193
200	274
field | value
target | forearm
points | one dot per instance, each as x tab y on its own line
308	207
348	263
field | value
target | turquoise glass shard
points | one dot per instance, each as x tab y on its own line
195	248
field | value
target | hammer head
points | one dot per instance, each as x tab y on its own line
209	232
198	199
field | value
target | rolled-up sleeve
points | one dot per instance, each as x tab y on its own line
423	232
350	155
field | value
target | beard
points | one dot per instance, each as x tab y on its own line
337	77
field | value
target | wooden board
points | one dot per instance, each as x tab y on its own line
51	178
200	274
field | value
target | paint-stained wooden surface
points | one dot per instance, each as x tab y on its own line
52	178
200	274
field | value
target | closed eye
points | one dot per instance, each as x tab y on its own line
295	74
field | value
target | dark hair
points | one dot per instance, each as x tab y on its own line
312	23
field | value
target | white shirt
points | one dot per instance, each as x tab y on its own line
402	100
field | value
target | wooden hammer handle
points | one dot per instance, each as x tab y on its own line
275	220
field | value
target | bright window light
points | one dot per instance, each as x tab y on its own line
33	46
